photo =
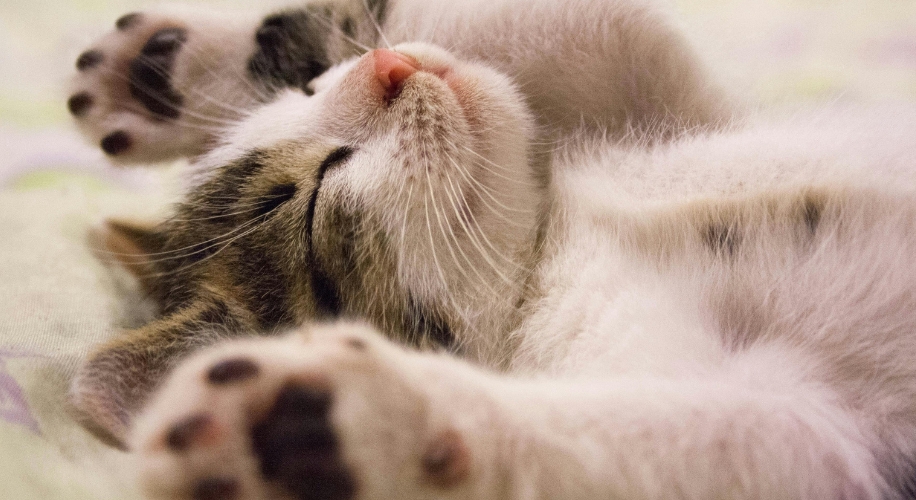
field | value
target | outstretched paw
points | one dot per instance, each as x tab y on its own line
162	85
341	415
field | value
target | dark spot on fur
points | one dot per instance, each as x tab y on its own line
900	473
238	173
298	448
812	214
116	143
292	48
327	296
150	73
278	195
348	27
216	488
358	344
722	239
216	313
422	324
232	370
79	104
127	21
182	435
264	284
89	59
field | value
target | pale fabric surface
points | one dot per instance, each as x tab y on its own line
56	300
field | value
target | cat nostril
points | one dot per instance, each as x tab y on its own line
392	69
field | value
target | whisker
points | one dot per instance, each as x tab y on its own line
152	92
489	243
481	189
176	253
214	254
378	28
458	215
331	24
473	236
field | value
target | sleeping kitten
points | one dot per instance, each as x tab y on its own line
724	314
728	315
169	83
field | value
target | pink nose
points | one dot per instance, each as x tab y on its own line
392	68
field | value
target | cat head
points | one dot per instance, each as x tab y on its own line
401	192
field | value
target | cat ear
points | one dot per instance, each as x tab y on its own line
134	244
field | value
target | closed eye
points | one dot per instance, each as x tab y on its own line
336	157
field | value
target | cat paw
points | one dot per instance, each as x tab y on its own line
162	85
341	415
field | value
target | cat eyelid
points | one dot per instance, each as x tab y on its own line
334	158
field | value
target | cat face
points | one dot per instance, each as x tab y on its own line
401	192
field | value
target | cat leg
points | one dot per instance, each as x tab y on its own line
331	412
336	412
115	380
166	83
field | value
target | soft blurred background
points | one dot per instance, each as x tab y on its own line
56	300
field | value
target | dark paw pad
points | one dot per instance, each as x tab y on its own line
80	104
189	431
232	370
298	448
89	59
216	488
292	48
127	21
151	72
116	143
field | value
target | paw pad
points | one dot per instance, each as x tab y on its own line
216	488
127	21
79	104
357	343
232	370
116	143
298	447
195	429
89	59
447	460
150	73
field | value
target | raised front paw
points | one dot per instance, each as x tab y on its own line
163	84
341	415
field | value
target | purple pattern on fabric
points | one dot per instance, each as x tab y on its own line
13	407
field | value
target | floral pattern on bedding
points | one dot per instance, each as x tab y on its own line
14	409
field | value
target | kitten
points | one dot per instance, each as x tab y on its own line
725	313
165	83
728	315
